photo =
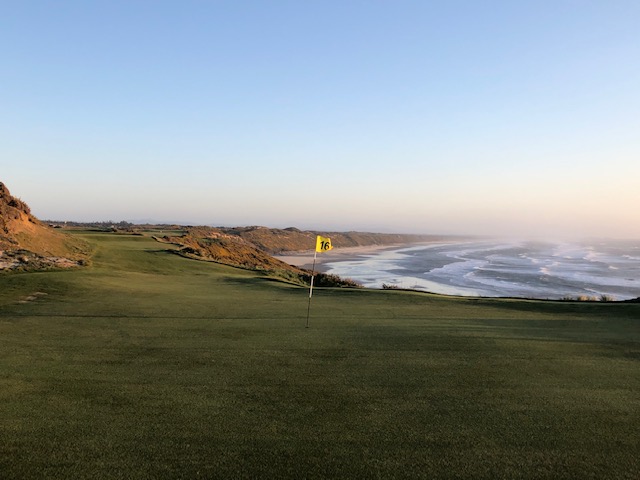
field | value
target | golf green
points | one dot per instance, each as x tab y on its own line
150	365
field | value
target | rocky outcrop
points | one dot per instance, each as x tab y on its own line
27	244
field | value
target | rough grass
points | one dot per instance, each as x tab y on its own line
150	365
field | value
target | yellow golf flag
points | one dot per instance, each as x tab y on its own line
323	244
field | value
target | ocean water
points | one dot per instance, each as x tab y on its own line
527	269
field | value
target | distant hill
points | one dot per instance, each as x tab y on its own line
277	241
213	244
274	241
252	248
255	245
217	245
28	244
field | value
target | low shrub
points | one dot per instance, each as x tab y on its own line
330	280
589	298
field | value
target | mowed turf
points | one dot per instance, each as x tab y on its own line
150	365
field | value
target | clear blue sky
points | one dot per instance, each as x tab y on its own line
510	117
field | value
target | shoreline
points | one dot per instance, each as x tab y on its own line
376	265
339	254
342	254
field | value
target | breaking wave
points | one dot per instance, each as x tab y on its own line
527	269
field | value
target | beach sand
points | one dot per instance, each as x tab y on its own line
305	259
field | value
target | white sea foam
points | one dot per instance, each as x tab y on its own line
542	270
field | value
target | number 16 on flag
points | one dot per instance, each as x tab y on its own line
323	244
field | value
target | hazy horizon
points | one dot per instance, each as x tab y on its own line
509	237
466	118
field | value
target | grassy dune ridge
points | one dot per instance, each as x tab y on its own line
275	240
151	365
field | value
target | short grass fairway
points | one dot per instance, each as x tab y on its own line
150	365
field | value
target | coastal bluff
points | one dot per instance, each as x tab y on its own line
28	244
